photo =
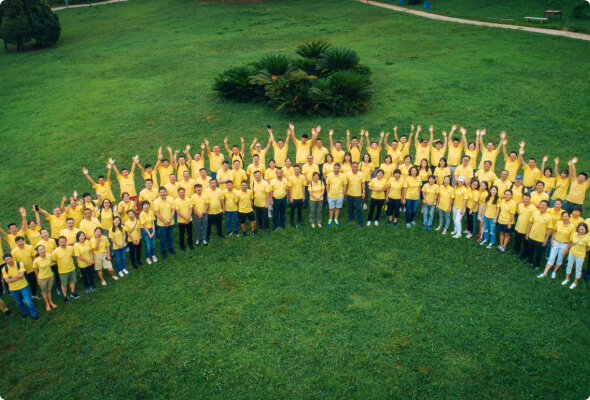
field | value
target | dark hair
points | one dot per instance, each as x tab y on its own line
474	181
544	201
366	154
541	182
80	234
316	173
337	164
11	224
225	162
390	158
548	169
124	169
305	136
69	219
147	166
410	171
526	194
508	190
379	170
161	188
328	155
555	200
585	176
444	160
396	171
16	239
86	194
7	255
198	185
577	207
114	228
495	200
584	225
149	180
143	203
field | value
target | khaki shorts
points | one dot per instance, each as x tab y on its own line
101	262
68	277
46	285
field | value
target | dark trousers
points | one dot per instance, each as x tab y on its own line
535	250
297	204
88	276
135	252
32	279
355	205
393	206
185	229
262	217
307	197
587	276
214	219
375	203
519	240
56	278
279	212
471	218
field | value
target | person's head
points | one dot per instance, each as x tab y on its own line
471	146
145	205
548	172
80	237
224	165
414	171
198	188
532	163
216	149
98	232
279	174
564	173
125	172
162	192
86	197
388	160
149	184
543	205
8	259
236	164
213	183
203	173
56	211
197	156
101	180
540	186
187	175
31	224
70	223
518	181
442	163
131	215
280	143
354	167
576	211
354	141
318	143
474	184
12	228
513	156
338	146
407	160
230	185
431	179
20	241
181	193
465	160
582	177
461	181
272	164
397	173
315	177
148	168
41	250
487	165
235	150
256	159
557	203
366	158
288	162
424	164
117	224
456	142
494	190
44	233
582	229
329	159
62	242
258	176
438	144
508	195
374	145
379	173
403	139
172	178
181	160
125	197
483	186
490	146
347	157
526	198
106	204
297	169
165	163
244	186
565	217
258	147
447	180
304	138
503	175
423	142
310	160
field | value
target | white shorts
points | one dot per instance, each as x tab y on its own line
335	203
479	214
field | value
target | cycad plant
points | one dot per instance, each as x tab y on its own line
351	92
338	59
312	50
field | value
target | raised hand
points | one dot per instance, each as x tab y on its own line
160	156
318	129
242	140
98	192
483	132
463	131
136	158
522	143
111	161
22	211
331	132
347	132
225	140
412	127
545	158
419	128
85	171
382	134
453	128
556	161
431	129
75	194
521	151
395	129
505	142
169	149
574	160
63	199
188	147
254	141
291	126
109	165
445	133
503	134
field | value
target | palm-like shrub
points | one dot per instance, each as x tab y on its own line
276	65
312	50
234	84
338	59
309	66
351	92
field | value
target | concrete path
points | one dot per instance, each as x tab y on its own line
574	35
86	5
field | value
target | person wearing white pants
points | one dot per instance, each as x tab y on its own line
578	246
559	241
459	205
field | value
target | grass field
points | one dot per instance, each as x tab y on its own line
304	313
508	12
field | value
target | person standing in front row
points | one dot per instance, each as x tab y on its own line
245	198
64	258
316	194
355	193
83	253
230	208
214	211
200	202
295	195
42	267
185	219
148	232
336	184
261	190
13	273
164	211
540	228
278	199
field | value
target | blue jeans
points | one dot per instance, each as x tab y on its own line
355	205
24	301
120	258
166	237
442	215
489	229
428	212
279	212
213	175
229	216
150	244
306	201
411	208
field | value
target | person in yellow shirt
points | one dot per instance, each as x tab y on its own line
125	205
31	228
489	216
459	205
255	166
511	163
198	161
25	253
200	202
502	184
238	175
346	166
63	256
378	186
214	211
316	194
539	194
423	146
328	166
57	221
393	150
374	149
13	273
531	172
50	245
423	173
278	200
184	210
387	166
280	149
578	247
256	148
307	170
336	184
230	207
164	211
318	154
215	159
148	231
524	211
473	194
188	184
166	167
486	174
118	238
70	232
354	147
12	234
303	146
288	170
42	268
540	228
148	172
464	170
261	191
562	231
133	230
106	213
404	142
224	175
126	180
172	186
103	185
203	179
562	183
355	192
271	172
85	257
547	177
578	187
296	186
411	195
102	255
441	171
482	198
75	210
181	165
235	154
149	194
393	196
430	193
576	215
244	199
488	153
505	219
366	167
472	148
88	224
437	152
455	151
336	150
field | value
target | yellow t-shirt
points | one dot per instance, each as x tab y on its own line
337	154
367	170
11	239
229	199
404	148
184	206
487	155
82	250
10	271
423	174
316	189
197	165
441	173
327	169
319	155
215	161
302	151
253	168
454	158
489	176
436	155
44	266
524	213
422	152
580	245
512	168
164	207
270	174
214	201
64	258
507	210
34	235
576	221
189	186
549	183
223	176
260	191
355	153
502	186
561	187
472	157
105	191
172	189
356	184
387	170
288	172
483	195
124	208
296	184
374	153
24	255
430	192
460	196
146	219
204	182
472	198
396	155
308	170
577	192
377	184
133	229
48	244
76	214
345	168
235	157
200	201
465	172
70	235
531	176
239	176
279	188
118	236
517	193
244	201
536	198
395	188
103	245
148	195
562	232
556	215
261	154
180	171
57	224
491	208
541	223
445	195
151	175
88	227
165	173
127	185
280	154
412	186
106	218
336	183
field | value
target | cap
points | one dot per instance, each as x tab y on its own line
461	179
518	177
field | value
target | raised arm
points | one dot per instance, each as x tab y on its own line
269	142
502	137
416	140
85	172
446	141
331	140
521	152
109	167
208	149
431	129
464	138
172	156
226	146
381	139
23	213
545	158
573	169
140	167
347	139
117	174
251	146
504	143
42	211
160	157
481	135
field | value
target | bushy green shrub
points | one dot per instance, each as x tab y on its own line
581	10
24	20
325	81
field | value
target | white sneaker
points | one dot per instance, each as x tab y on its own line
313	225
116	278
319	225
376	223
465	231
148	261
453	233
500	247
104	283
368	223
364	206
154	259
541	275
125	271
445	232
553	275
469	235
573	285
489	246
121	274
565	282
483	242
439	228
457	236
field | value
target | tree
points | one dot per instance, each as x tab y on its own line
23	20
45	27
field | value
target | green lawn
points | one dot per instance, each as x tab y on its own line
508	12
380	313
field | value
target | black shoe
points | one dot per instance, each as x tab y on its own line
172	252
25	316
134	266
182	249
275	229
208	239
534	268
164	255
293	225
139	264
350	219
66	299
230	233
301	223
74	295
268	231
522	258
245	234
221	236
190	246
8	313
361	224
255	232
36	318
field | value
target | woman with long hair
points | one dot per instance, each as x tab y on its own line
85	257
560	237
429	194
459	204
441	171
489	214
473	194
393	196
411	195
505	219
42	268
378	186
483	195
446	193
119	239
316	197
347	163
577	248
387	166
366	167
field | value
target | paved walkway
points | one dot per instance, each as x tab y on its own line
574	35
86	5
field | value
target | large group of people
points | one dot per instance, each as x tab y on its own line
540	207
